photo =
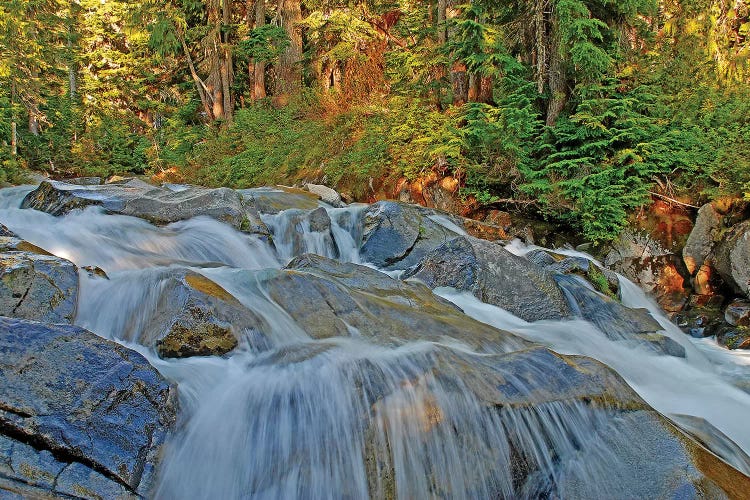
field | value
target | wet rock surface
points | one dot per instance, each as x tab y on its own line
397	235
328	298
196	317
493	275
79	415
732	258
139	199
36	286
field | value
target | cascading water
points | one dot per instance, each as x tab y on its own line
343	417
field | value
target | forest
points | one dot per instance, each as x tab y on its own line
580	111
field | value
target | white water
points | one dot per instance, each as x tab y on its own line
304	418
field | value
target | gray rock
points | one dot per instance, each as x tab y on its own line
328	298
738	313
734	337
702	238
37	286
79	415
4	231
196	317
397	236
495	276
732	258
327	195
615	320
138	199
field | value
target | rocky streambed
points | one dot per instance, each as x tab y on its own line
182	342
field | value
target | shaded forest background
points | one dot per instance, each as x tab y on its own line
577	110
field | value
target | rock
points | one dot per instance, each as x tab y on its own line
616	321
738	313
493	275
327	195
397	236
4	231
300	231
646	262
732	258
538	400
485	231
734	337
196	317
84	181
79	415
702	238
700	322
139	199
37	286
328	298
272	200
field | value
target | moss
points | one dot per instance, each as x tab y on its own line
600	281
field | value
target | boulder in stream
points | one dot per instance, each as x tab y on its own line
138	199
732	258
194	316
397	235
80	416
493	275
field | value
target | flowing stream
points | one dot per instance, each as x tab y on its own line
343	417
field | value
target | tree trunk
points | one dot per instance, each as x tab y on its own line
460	84
556	78
259	67
226	70
289	77
13	139
442	7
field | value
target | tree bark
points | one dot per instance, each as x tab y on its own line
258	68
556	77
289	78
13	139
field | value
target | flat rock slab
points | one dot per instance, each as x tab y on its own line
36	286
328	299
82	413
272	200
139	199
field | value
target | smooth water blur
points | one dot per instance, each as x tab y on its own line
343	418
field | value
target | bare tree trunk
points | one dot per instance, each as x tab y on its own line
556	78
227	72
473	92
13	139
540	45
460	84
259	67
486	90
289	78
442	7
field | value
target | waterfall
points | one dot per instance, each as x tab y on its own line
299	417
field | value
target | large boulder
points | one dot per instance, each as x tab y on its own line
80	416
328	299
35	285
493	275
732	258
138	199
397	236
194	316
